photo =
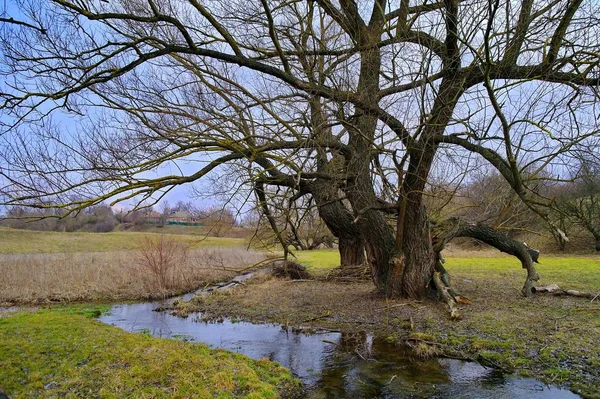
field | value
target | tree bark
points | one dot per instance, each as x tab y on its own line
456	228
339	220
418	253
352	251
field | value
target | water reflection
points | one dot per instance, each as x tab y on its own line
335	365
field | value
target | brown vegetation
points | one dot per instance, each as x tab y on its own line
44	278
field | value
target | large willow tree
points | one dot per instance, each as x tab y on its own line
351	102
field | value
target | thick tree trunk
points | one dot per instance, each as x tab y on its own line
339	220
352	251
597	243
328	197
418	253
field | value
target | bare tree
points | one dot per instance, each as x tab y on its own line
353	103
579	202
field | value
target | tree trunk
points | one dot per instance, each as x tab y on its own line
328	196
597	243
418	253
339	221
352	251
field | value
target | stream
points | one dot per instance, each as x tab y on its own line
333	364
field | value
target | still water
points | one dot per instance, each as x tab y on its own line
336	365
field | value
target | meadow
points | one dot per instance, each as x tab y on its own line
47	267
556	339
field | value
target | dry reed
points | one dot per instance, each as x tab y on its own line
45	278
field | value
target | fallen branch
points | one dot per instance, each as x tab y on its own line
555	290
397	305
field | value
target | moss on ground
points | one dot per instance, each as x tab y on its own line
62	352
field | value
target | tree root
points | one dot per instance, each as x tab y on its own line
445	294
441	280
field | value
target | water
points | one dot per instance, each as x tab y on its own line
336	365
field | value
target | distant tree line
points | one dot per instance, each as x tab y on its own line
97	219
102	218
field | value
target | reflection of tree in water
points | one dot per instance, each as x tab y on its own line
364	366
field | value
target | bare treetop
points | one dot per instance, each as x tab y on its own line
354	103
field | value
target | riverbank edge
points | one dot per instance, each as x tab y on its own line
61	350
520	355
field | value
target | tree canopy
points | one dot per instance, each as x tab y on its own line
361	105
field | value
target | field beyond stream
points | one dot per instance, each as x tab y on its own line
52	347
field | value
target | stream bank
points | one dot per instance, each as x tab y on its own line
335	354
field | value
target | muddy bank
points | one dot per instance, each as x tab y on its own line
539	338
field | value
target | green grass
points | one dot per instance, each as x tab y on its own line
319	261
27	241
569	272
64	353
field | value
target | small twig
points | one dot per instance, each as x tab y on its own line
594	298
360	355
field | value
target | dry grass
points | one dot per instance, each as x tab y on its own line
28	241
43	278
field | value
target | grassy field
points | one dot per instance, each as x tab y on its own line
43	267
573	272
320	261
64	353
27	241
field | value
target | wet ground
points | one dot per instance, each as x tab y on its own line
335	364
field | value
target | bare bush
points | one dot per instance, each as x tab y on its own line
158	259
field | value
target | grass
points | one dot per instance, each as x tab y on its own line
63	277
63	353
573	272
579	273
319	261
28	241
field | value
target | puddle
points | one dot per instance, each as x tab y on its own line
332	364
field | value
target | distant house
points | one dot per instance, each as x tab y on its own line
182	218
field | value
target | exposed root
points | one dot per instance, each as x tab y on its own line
441	280
444	292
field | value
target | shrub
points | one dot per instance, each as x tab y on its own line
159	257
